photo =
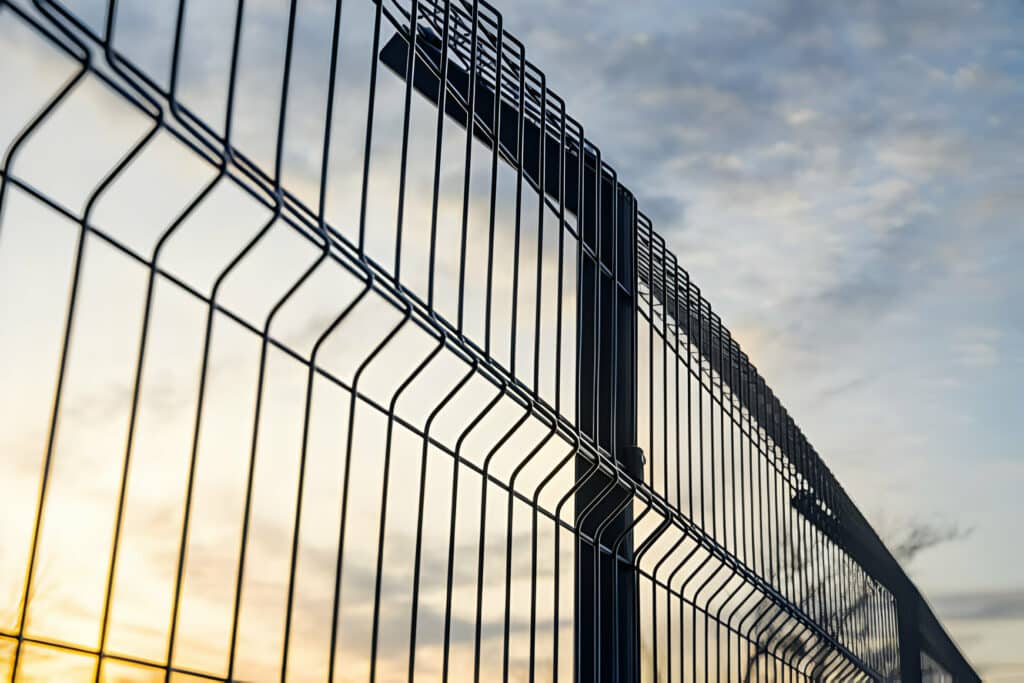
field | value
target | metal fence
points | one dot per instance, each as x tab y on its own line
368	367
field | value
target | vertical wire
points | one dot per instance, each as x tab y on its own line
675	371
727	363
385	490
794	540
467	166
418	552
346	482
349	439
541	179
77	268
141	354
839	601
735	512
765	498
815	580
10	157
703	454
521	160
613	442
668	603
754	444
420	513
581	256
306	420
689	403
700	414
705	608
682	593
378	580
508	553
569	457
826	561
495	153
482	538
712	319
595	543
652	317
780	558
558	406
204	366
665	431
403	164
720	334
580	481
598	219
264	345
616	556
748	439
752	458
322	225
446	651
134	407
600	311
740	639
442	107
368	142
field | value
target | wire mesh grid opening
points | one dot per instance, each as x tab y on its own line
324	333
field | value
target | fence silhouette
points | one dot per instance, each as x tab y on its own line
336	351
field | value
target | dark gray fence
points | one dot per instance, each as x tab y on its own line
338	352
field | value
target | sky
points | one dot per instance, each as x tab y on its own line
842	181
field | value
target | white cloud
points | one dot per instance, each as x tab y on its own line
801	116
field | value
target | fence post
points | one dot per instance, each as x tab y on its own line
606	623
910	642
606	615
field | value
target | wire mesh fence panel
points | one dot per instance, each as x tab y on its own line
332	349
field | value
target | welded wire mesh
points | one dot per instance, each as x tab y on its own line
319	321
726	455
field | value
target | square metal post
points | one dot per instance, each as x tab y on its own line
607	646
606	616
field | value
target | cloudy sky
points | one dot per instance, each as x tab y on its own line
844	181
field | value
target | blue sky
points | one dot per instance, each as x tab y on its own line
844	181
